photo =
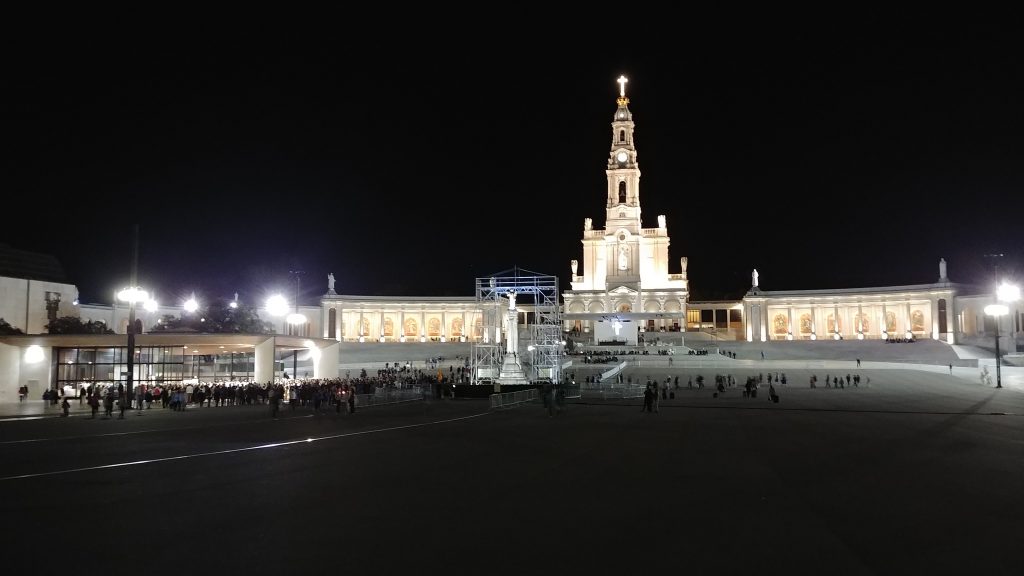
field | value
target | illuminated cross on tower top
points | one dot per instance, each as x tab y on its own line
622	100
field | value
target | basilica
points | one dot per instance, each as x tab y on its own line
625	290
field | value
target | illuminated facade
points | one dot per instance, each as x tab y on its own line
625	279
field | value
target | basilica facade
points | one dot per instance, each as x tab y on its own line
624	287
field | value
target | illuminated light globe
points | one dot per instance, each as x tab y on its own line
34	354
150	305
133	294
233	304
997	309
277	305
296	318
191	305
1008	293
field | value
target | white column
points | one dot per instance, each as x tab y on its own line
444	325
423	323
883	326
835	316
465	326
935	317
906	316
325	364
791	330
10	369
264	361
748	320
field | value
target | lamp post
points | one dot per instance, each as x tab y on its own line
1004	293
132	294
277	305
191	306
296	319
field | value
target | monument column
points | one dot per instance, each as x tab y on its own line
835	315
935	317
884	325
789	331
361	335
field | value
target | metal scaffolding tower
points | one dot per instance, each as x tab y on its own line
541	347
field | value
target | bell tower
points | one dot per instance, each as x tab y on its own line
623	202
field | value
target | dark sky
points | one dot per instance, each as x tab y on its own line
413	163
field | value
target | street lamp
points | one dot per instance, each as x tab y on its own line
277	305
296	319
132	294
1004	293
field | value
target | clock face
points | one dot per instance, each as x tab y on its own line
621	157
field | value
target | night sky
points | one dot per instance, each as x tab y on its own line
412	165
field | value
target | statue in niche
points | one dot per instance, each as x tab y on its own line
574	264
623	257
588	224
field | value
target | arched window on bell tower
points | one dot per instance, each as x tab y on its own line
622	135
622	192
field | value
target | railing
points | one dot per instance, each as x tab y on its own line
608	374
513	399
617	392
388	396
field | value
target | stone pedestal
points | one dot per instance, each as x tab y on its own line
512	372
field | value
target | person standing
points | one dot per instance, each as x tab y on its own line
65	405
22	393
274	397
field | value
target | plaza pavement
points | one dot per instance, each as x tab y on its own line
919	472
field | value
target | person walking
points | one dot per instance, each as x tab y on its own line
108	404
94	405
65	405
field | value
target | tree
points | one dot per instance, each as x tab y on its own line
216	318
7	330
73	325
